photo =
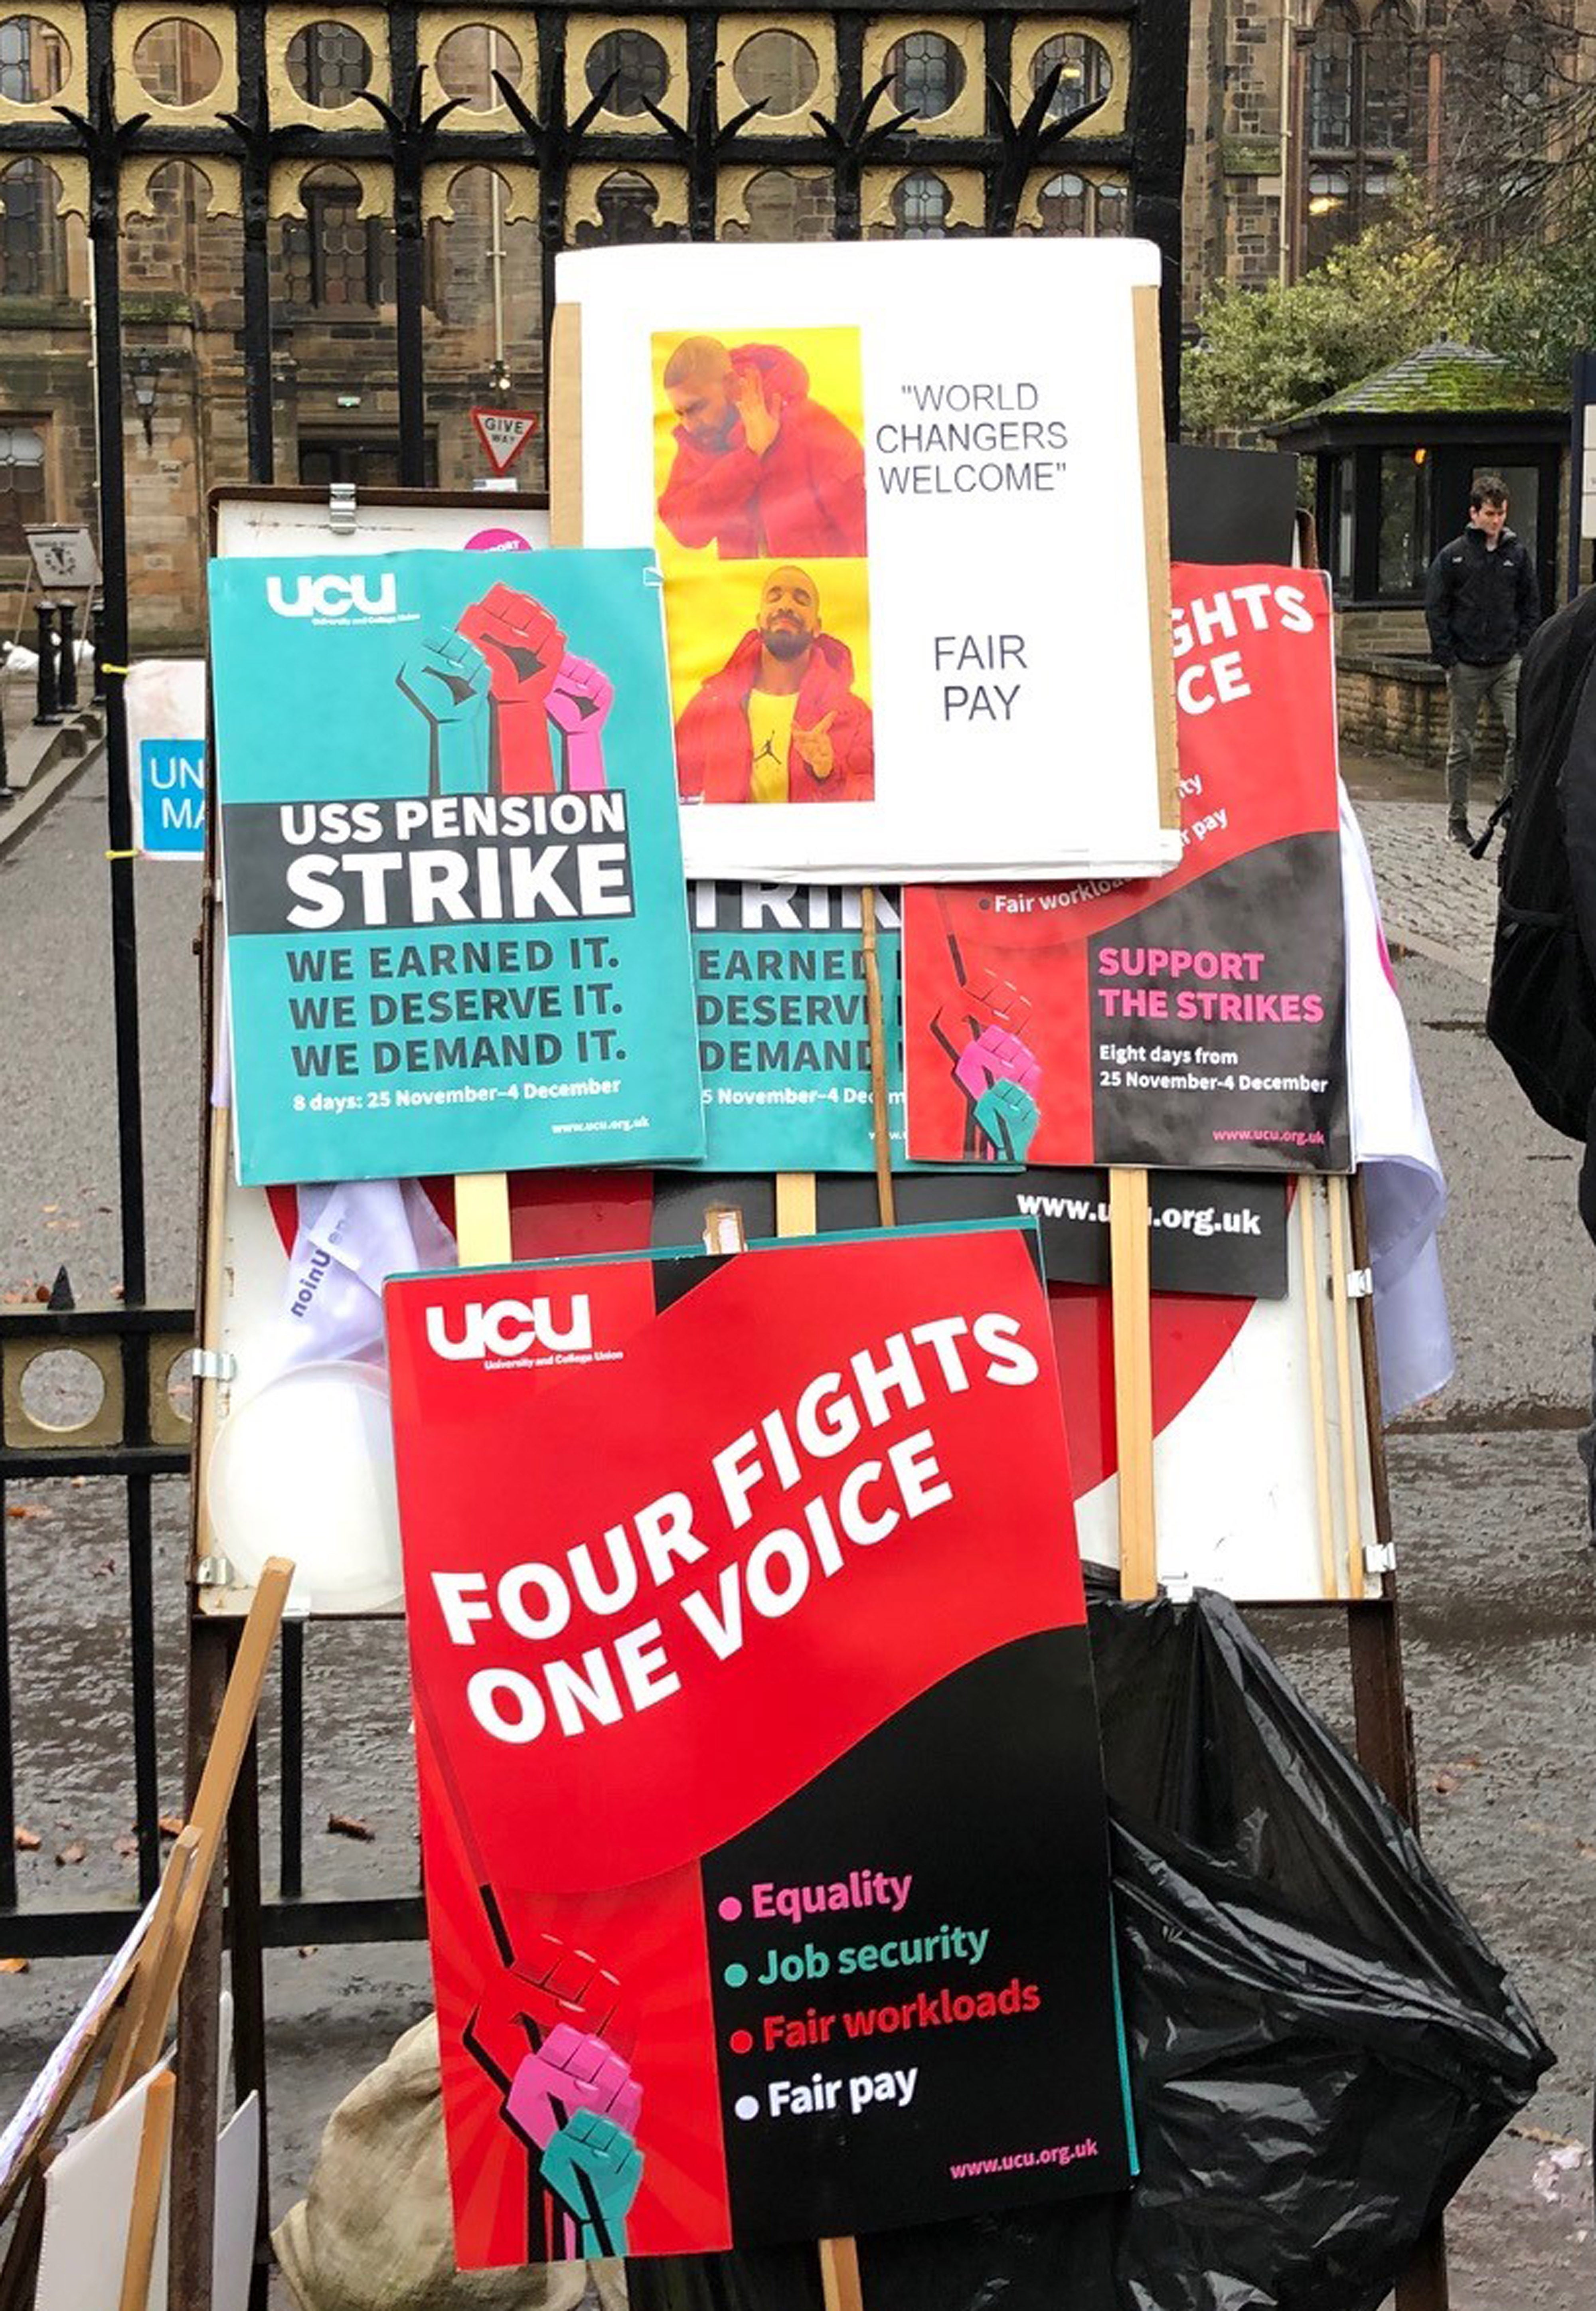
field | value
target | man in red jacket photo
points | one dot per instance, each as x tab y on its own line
760	468
780	721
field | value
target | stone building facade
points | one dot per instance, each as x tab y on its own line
331	246
1305	113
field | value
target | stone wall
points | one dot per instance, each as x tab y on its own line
1392	705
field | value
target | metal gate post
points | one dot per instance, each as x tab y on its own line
66	680
43	713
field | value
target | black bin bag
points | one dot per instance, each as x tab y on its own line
1321	2045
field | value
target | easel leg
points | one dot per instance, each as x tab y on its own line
194	2179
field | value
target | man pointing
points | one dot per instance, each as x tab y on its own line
780	722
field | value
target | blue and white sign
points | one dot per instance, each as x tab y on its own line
166	756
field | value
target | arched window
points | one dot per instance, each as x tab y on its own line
920	204
626	201
32	237
1393	73
1064	206
177	246
1367	107
636	67
333	256
1526	62
1113	210
22	485
782	206
1330	211
1085	74
1330	79
927	74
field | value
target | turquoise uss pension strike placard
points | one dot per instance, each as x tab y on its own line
457	931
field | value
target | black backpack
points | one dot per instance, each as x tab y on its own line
1541	1012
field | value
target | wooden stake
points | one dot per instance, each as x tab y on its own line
1342	1306
1308	1238
877	1017
795	1203
132	2021
839	2275
482	1218
839	2258
153	2145
208	1815
1132	1297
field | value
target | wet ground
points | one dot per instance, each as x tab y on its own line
1500	1597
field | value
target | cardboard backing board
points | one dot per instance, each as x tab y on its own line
261	522
1253	1533
1234	1450
917	486
1231	505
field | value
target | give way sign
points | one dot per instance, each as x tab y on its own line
504	433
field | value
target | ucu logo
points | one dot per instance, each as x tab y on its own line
508	1327
334	597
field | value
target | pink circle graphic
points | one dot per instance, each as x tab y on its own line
498	541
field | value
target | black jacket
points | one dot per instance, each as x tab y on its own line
1482	606
1560	673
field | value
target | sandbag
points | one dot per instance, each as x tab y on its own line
374	2231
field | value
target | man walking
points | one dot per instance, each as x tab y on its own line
1482	604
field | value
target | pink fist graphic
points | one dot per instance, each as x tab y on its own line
572	2071
579	705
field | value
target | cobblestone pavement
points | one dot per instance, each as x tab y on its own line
1436	899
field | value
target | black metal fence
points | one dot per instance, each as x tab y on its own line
1009	135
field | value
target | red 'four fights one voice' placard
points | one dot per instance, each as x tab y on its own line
1198	1021
766	1859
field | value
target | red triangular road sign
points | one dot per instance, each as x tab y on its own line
504	433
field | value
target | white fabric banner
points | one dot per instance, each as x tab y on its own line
1404	1188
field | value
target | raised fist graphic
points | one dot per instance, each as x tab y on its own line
523	646
1008	1116
578	706
572	2071
447	682
593	2167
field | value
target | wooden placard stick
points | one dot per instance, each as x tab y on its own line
877	1016
839	2258
208	1817
1130	1285
1342	1317
154	2143
19	2274
131	2022
839	2275
795	1203
482	1219
1308	1238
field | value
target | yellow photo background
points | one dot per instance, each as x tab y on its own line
836	379
711	606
